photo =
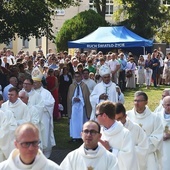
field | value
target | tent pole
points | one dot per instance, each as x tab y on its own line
143	50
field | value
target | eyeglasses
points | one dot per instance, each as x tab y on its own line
137	101
92	132
27	144
98	114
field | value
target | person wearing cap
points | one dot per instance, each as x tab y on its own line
105	90
47	114
27	155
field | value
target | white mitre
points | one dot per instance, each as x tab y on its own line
104	69
36	74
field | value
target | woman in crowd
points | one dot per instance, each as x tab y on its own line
130	68
141	74
148	71
52	86
65	81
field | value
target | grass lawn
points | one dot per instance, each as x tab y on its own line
61	128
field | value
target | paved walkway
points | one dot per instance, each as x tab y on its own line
58	155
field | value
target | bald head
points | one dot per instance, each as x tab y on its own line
166	104
166	92
26	129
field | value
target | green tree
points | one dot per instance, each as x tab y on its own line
78	27
28	18
163	33
142	16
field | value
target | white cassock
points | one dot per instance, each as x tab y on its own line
40	163
78	116
121	142
165	118
82	159
19	110
35	102
48	139
90	84
8	125
34	117
100	88
152	125
140	140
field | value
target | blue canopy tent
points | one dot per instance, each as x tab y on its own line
111	37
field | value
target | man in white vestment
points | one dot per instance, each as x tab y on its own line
138	135
78	105
152	126
165	118
48	139
90	155
116	138
27	155
34	116
89	82
35	99
160	108
16	106
8	125
12	83
105	90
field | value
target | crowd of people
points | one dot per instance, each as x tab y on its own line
87	88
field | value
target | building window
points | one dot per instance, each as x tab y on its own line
25	43
109	6
166	2
38	42
9	45
60	12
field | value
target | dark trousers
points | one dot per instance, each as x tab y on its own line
154	77
122	82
